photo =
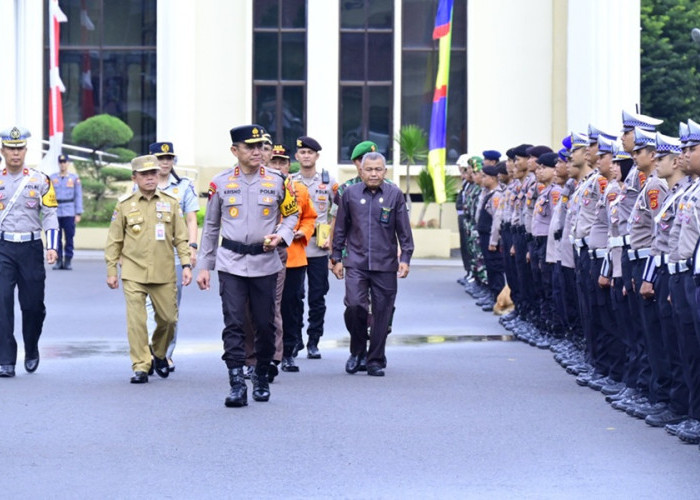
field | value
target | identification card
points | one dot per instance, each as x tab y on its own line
384	215
162	206
160	232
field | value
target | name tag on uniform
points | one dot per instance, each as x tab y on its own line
160	231
162	206
384	216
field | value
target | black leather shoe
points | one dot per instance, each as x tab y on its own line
161	367
261	387
7	371
312	351
171	365
288	364
58	265
272	372
239	391
362	362
664	418
139	378
66	265
297	348
31	364
375	371
352	365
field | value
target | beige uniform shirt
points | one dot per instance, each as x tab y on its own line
321	195
245	208
144	233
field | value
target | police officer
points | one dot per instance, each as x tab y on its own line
254	211
322	188
27	204
489	238
145	227
372	216
69	195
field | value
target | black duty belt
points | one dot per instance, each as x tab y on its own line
242	248
66	201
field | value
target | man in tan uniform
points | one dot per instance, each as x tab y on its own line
146	227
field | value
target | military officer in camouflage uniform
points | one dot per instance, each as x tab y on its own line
254	211
27	205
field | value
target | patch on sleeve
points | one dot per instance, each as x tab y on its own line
212	189
114	214
555	197
612	196
653	198
603	183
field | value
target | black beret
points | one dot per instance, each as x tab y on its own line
548	159
491	170
511	153
522	150
501	166
308	142
538	151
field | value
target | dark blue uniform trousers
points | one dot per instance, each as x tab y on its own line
66	227
292	308
359	286
21	266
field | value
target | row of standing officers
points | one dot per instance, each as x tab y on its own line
597	243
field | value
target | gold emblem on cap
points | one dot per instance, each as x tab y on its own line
255	132
298	143
148	164
165	148
372	148
15	133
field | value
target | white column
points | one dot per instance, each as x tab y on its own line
603	62
176	77
509	48
322	42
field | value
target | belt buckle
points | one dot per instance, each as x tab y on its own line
16	237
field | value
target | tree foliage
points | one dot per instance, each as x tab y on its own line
102	133
670	59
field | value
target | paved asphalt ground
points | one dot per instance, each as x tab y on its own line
453	418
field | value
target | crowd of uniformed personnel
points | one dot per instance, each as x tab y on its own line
598	244
266	232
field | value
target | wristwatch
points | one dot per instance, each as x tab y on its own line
187	266
194	245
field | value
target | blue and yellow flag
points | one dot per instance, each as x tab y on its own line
438	121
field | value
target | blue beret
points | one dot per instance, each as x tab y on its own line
563	154
491	154
566	142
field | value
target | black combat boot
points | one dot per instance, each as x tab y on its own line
66	264
261	385
239	391
312	351
58	265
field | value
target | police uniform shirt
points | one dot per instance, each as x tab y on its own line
554	245
663	222
183	190
587	203
687	219
526	201
322	195
647	205
517	198
567	248
632	185
69	194
509	200
577	202
610	200
494	208
674	232
370	224
34	208
142	234
544	210
246	208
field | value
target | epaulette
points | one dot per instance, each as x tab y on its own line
125	197
165	193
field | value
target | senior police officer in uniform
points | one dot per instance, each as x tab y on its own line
372	216
69	195
322	188
145	227
255	211
27	204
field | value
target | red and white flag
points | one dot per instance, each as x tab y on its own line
49	164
